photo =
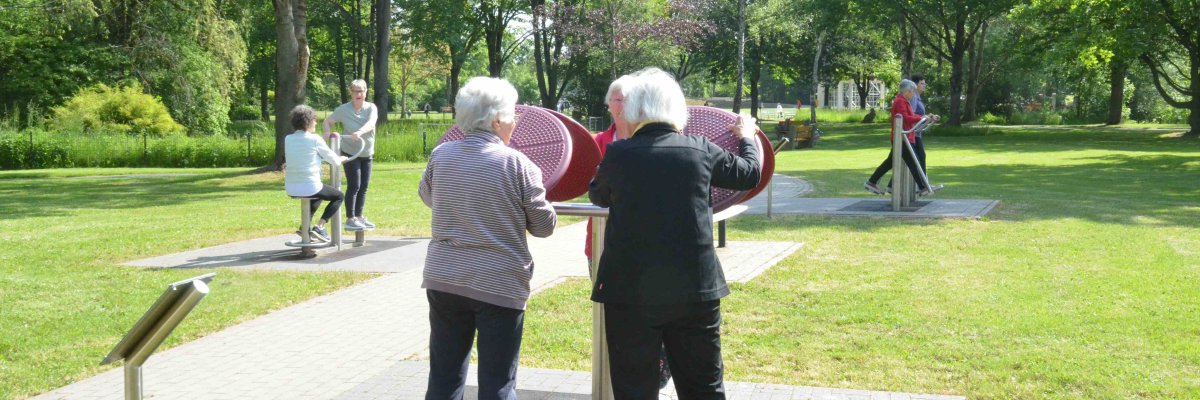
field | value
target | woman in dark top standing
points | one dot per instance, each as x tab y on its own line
659	277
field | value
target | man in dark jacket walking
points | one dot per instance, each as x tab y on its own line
659	277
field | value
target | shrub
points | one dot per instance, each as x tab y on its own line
244	112
101	109
991	119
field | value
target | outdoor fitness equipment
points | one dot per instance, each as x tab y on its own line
904	189
306	244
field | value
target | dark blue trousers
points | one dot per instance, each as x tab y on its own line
358	178
691	333
453	321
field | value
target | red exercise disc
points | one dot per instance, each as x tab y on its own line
539	136
585	156
713	124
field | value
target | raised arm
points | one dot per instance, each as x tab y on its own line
327	125
369	126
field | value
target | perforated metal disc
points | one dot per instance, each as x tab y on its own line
585	156
541	137
768	166
713	123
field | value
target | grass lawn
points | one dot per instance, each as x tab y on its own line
1084	283
65	301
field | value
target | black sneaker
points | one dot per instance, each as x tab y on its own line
319	233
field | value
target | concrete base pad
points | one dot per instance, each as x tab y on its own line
378	254
924	208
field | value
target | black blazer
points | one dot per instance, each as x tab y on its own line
658	244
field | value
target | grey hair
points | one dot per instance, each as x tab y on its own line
483	100
654	96
617	86
359	83
301	116
906	84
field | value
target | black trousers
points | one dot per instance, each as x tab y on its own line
919	148
453	320
886	166
358	177
328	193
691	333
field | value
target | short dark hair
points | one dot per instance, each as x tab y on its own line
917	78
301	116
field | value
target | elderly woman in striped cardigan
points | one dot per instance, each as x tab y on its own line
485	196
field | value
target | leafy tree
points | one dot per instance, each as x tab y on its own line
1173	53
448	27
950	29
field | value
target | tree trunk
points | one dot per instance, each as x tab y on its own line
456	65
538	18
956	75
974	83
812	104
1194	118
1116	93
862	85
741	57
493	33
291	67
343	90
755	77
383	26
358	39
370	45
907	48
263	98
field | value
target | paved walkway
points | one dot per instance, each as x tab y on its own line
368	341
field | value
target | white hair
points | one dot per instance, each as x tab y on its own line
359	83
906	84
617	86
483	100
654	96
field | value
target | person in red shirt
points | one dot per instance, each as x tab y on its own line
901	107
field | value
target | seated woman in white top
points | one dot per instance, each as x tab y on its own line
303	152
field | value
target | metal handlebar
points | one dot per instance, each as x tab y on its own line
920	125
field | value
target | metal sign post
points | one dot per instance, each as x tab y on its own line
601	376
155	325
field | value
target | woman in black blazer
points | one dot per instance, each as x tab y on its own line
659	277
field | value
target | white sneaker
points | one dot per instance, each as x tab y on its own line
353	224
365	223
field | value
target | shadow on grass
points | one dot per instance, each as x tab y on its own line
59	195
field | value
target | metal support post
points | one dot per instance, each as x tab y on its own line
601	374
335	180
898	170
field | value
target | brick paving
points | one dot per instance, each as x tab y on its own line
367	341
